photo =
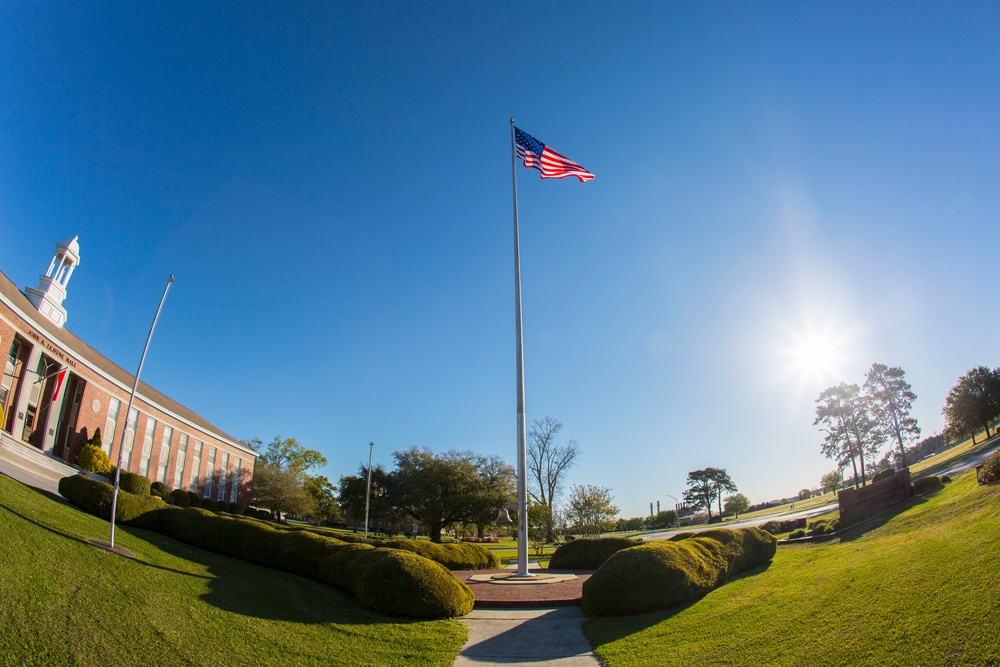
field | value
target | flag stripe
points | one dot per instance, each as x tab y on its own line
548	162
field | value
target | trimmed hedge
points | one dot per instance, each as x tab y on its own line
456	556
588	554
235	508
94	498
133	483
777	526
210	505
385	580
656	575
180	498
420	587
925	484
160	490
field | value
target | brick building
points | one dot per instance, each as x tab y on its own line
56	391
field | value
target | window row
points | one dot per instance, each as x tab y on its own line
166	439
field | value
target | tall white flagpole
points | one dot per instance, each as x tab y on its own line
128	411
522	486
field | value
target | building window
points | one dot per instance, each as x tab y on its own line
147	446
210	472
9	373
195	467
110	425
161	468
222	477
182	450
133	417
234	485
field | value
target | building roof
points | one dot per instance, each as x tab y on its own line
79	350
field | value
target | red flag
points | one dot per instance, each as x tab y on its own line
60	379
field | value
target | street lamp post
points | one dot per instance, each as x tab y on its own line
368	491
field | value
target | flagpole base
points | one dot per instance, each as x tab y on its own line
100	544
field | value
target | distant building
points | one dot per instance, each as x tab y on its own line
56	412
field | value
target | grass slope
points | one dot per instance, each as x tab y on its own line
918	588
64	602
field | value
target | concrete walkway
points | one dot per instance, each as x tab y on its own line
550	637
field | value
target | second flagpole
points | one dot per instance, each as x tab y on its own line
522	486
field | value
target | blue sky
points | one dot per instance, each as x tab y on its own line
330	184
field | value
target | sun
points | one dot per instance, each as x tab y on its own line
815	354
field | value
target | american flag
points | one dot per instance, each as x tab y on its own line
547	161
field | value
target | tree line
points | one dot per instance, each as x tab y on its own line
434	490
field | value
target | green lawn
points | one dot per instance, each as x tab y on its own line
64	602
915	588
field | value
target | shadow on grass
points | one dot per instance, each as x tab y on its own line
608	629
252	590
233	585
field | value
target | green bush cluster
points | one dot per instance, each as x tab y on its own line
194	500
420	588
93	458
990	472
455	556
160	490
776	527
210	505
131	482
797	533
235	508
180	498
95	497
925	484
588	554
657	575
945	479
824	526
391	581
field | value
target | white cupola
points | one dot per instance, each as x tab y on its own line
51	291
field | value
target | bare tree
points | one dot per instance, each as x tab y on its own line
547	460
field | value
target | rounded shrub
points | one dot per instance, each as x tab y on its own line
404	584
235	508
209	504
134	483
180	498
925	484
656	575
945	479
194	500
797	533
93	458
160	490
588	554
95	497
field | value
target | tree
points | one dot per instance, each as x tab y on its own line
354	490
590	510
547	461
722	482
805	494
436	490
497	488
288	453
973	403
831	481
324	499
892	400
280	476
280	490
663	519
538	519
851	431
736	504
701	491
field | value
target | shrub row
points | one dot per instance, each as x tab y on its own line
95	498
455	556
824	526
391	581
776	527
588	554
656	575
